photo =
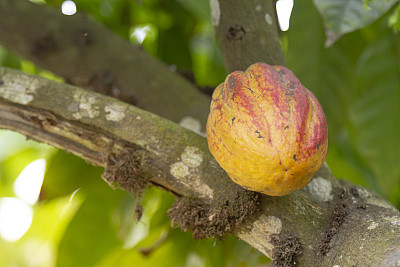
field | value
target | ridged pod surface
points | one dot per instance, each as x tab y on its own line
266	130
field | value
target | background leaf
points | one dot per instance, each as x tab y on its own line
374	115
357	82
66	173
344	16
90	234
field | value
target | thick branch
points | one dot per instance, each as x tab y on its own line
99	129
90	56
247	32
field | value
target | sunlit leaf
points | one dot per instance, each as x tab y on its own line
394	19
172	247
66	173
39	244
90	235
13	165
8	59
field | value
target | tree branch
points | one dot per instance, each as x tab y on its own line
88	55
342	221
247	32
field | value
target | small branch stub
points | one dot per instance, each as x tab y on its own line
124	170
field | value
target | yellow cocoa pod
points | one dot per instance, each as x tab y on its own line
266	130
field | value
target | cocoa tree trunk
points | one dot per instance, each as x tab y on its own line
328	223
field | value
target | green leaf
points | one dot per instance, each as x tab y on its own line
394	19
200	8
207	60
91	234
374	115
51	218
173	41
153	221
163	246
344	16
356	80
7	59
66	173
15	154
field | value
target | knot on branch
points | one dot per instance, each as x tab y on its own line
213	220
44	45
124	170
236	32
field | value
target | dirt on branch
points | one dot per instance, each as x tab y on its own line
215	220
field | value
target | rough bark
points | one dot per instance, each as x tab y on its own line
247	32
328	223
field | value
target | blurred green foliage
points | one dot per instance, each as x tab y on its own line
357	81
342	16
80	221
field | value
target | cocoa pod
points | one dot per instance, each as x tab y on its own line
266	130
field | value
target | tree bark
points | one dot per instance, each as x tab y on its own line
247	32
329	222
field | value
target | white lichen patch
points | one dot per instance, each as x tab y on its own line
373	225
188	173
363	193
115	112
300	209
86	105
369	198
394	220
270	224
379	202
260	233
320	188
267	226
179	170
258	8
192	124
21	89
268	18
192	156
215	12
202	189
